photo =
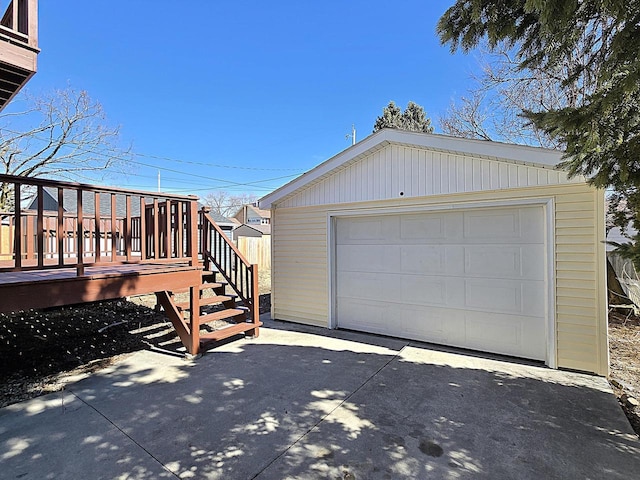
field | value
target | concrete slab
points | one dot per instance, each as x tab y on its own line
300	402
59	436
431	414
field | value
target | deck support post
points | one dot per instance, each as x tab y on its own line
194	327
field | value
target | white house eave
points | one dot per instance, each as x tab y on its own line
504	152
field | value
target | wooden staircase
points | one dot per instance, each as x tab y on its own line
212	304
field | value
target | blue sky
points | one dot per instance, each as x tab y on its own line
241	93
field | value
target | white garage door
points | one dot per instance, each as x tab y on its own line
470	278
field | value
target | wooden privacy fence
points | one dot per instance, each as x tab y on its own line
256	250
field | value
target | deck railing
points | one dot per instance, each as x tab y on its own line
20	22
59	224
217	249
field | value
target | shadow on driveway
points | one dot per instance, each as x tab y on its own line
297	404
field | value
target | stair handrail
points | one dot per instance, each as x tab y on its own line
241	275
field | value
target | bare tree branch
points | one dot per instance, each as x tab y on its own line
226	204
66	136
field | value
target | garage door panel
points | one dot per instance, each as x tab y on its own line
369	316
393	288
436	228
368	258
505	261
523	225
506	334
500	296
471	279
425	259
369	230
422	290
437	325
365	286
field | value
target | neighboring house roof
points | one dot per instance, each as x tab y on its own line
252	230
70	203
260	212
516	154
244	212
221	220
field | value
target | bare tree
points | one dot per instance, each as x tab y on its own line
60	135
503	91
226	204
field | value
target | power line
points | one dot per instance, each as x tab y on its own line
217	165
177	160
226	183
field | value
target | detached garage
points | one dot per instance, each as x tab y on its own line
465	243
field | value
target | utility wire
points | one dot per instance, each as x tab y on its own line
226	183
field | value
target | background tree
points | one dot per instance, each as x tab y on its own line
226	204
60	135
501	92
413	119
592	49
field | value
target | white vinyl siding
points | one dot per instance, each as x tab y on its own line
299	267
414	172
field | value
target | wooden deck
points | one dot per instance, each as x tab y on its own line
51	288
78	243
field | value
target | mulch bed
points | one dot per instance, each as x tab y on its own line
40	348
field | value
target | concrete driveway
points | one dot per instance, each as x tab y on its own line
303	403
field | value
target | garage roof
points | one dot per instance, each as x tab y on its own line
517	154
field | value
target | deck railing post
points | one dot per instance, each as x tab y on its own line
114	230
192	232
143	229
60	227
128	234
97	230
80	235
17	240
156	229
32	19
179	230
40	227
167	235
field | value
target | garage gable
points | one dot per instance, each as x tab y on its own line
392	164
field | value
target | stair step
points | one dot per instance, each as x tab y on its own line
206	301
222	314
203	286
206	285
228	332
